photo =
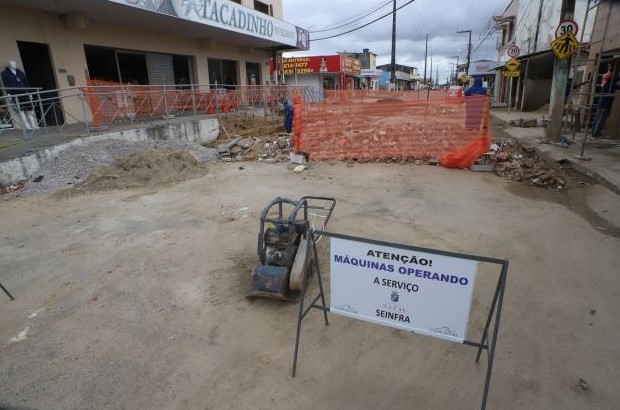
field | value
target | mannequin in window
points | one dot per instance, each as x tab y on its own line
16	82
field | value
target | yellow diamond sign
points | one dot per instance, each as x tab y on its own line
565	45
512	64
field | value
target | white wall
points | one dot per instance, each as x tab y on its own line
310	80
526	21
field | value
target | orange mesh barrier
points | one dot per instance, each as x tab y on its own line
476	114
366	125
110	101
102	106
297	122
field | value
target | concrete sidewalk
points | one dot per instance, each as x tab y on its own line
602	156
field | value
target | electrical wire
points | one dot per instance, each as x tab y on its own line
362	26
352	21
492	29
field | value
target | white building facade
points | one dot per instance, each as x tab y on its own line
531	26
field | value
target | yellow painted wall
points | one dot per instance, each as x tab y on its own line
67	46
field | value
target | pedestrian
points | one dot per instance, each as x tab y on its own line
288	115
604	102
477	88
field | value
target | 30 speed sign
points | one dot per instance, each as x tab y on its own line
514	51
565	26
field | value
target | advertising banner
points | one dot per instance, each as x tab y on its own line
351	65
311	65
368	72
425	293
228	15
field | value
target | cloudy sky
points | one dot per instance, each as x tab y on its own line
440	19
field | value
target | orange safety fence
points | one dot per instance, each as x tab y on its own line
367	125
297	123
109	101
476	114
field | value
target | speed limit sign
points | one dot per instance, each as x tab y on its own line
565	26
513	51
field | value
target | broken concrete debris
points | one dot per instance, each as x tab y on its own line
535	122
518	163
266	149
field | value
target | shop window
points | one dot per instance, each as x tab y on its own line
101	62
138	67
262	7
253	73
222	72
133	68
182	70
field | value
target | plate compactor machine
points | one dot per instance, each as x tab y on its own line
285	249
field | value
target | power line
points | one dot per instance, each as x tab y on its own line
362	26
352	21
492	29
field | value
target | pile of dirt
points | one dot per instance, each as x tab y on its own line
249	124
144	169
518	163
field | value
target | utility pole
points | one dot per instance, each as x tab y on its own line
468	48
437	74
560	78
425	58
431	70
540	7
393	77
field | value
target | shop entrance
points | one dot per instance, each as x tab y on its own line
138	67
40	72
329	83
222	72
253	73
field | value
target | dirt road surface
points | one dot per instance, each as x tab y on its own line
134	299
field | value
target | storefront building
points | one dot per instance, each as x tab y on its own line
64	44
406	77
331	72
486	70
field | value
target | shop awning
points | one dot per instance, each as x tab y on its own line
222	21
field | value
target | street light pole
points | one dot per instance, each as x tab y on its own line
468	47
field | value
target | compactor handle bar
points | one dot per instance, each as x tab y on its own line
293	215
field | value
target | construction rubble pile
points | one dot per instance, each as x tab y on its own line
268	149
518	163
530	123
507	159
272	149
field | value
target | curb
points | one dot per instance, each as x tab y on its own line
553	155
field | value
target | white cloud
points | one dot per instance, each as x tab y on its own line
440	19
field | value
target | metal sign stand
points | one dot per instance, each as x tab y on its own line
487	342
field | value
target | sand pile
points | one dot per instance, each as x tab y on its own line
145	169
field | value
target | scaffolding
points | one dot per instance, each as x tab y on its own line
584	108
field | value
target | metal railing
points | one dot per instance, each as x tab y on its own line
94	108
